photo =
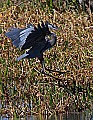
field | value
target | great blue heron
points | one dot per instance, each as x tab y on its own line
35	39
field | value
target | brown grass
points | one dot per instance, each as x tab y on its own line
21	84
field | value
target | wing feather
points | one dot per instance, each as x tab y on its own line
22	56
28	37
36	36
18	36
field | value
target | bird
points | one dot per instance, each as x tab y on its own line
34	40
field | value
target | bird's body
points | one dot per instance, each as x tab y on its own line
34	39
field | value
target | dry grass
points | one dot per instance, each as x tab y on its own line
21	84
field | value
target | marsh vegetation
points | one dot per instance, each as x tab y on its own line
24	90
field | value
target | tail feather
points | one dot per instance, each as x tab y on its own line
22	56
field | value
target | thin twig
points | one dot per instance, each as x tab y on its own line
62	85
88	27
46	74
60	72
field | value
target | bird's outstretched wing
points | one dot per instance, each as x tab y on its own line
18	36
28	37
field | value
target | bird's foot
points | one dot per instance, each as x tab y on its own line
42	71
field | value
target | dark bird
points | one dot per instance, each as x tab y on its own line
35	39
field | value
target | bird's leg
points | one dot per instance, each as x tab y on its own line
42	63
43	66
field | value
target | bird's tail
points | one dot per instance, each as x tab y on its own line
22	56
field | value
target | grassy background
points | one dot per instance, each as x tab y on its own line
22	88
